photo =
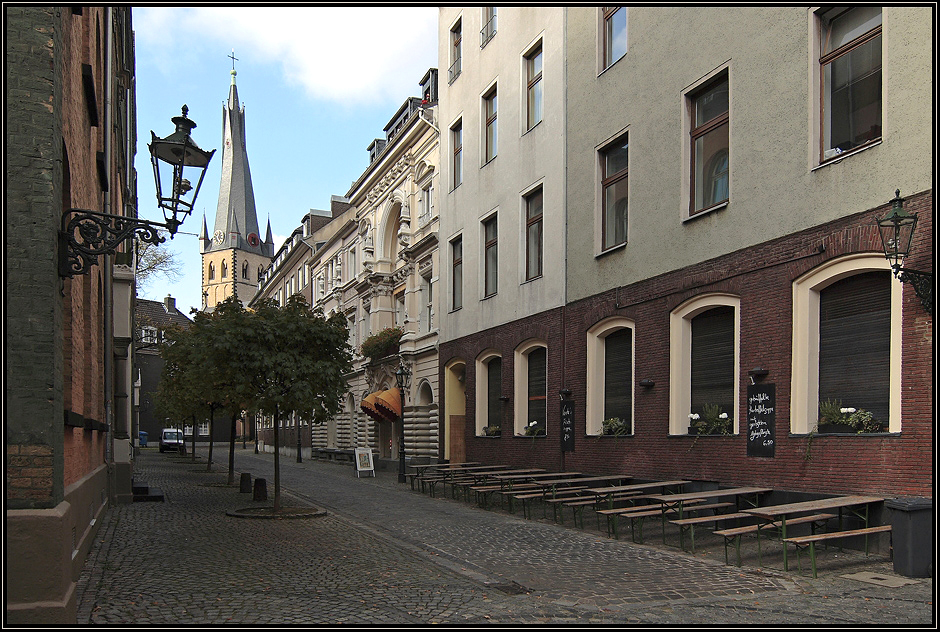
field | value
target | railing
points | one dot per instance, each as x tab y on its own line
488	31
454	71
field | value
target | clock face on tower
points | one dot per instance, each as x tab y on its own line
253	240
219	236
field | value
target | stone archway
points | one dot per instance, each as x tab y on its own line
455	411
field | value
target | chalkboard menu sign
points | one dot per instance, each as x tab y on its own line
567	425
761	413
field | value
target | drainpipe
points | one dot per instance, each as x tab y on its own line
107	271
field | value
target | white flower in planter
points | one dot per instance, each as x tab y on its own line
693	416
723	416
847	410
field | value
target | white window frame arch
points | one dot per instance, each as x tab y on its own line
481	371
804	379
680	357
596	376
521	383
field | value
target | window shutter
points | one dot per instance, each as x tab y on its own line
537	386
855	342
618	375
713	360
494	388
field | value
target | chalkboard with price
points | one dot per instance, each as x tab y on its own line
567	425
761	414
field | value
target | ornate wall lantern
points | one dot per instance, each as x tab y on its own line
86	234
897	232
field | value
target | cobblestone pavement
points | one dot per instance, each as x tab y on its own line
386	555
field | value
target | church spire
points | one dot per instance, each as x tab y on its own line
236	219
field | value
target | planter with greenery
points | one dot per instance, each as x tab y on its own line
615	427
834	417
712	421
492	431
383	343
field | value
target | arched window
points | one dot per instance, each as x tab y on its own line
610	377
224	269
211	271
531	387
489	389
703	365
846	346
245	270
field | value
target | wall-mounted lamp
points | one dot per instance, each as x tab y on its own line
757	374
564	393
647	383
86	234
897	232
504	398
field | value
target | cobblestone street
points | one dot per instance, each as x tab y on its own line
386	555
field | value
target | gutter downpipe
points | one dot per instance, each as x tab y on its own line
107	269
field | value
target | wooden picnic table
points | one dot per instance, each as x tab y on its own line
772	513
675	502
507	480
610	492
527	470
554	483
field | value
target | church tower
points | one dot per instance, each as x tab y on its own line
234	255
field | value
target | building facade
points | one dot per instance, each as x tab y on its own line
502	225
234	256
729	313
70	144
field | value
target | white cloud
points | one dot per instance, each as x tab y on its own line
348	55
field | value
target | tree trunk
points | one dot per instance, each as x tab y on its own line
231	451
211	429
194	437
277	461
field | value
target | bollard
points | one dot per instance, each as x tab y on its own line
245	483
261	489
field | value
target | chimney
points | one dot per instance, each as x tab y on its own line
169	304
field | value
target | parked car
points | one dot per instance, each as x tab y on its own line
171	439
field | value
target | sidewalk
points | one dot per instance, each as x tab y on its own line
385	555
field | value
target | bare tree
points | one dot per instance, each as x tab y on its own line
156	260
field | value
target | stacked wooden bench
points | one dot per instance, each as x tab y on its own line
734	534
809	541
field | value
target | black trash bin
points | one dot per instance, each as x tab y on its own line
912	535
143	439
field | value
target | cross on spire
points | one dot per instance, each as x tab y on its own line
233	58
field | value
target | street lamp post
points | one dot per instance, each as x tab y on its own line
87	234
402	377
897	232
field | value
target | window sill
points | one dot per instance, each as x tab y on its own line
603	253
489	296
535	278
844	155
611	436
489	161
532	128
707	211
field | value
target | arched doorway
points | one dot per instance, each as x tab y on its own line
455	411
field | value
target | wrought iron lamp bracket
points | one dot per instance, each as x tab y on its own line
922	283
86	235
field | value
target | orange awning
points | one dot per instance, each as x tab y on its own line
389	403
368	407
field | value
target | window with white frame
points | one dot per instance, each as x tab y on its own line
709	110
533	75
846	348
533	235
704	368
614	185
850	68
615	34
456	276
531	388
149	335
203	428
427	301
490	256
489	125
489	25
427	203
456	41
610	351
456	137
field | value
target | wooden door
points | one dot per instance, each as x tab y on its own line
458	448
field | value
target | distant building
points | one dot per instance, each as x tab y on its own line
234	254
70	142
152	319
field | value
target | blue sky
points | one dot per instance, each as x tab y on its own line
318	85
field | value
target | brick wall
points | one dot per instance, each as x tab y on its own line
899	464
